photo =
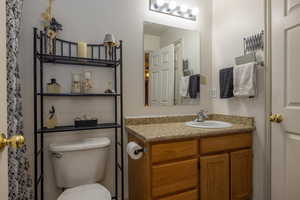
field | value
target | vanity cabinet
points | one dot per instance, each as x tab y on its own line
206	168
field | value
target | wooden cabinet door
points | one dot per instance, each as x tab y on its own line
214	177
241	174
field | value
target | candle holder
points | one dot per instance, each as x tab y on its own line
82	50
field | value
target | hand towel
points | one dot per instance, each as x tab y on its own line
184	86
244	80
194	86
226	83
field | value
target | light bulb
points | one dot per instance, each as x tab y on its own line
172	5
160	3
183	8
195	11
187	15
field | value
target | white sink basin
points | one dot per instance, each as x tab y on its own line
209	124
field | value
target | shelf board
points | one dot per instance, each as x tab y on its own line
79	94
78	61
73	128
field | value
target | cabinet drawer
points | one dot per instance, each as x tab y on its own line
225	143
174	177
189	195
174	150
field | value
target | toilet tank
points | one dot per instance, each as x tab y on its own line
81	162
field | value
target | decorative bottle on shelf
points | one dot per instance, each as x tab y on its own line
53	86
76	83
109	89
87	85
51	121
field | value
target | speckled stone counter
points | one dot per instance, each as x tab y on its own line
154	129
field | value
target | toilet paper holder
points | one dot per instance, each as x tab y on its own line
142	150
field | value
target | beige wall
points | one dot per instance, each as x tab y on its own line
233	20
88	21
151	43
3	106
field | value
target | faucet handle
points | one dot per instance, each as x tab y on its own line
204	113
201	116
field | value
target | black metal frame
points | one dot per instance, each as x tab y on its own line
41	56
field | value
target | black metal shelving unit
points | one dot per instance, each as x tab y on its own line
65	52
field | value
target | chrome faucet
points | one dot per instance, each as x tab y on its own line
201	116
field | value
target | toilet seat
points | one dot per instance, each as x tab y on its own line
86	192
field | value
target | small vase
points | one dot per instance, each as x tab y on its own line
76	83
51	122
87	85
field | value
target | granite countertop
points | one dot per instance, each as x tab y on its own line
154	129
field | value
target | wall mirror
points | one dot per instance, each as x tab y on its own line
171	65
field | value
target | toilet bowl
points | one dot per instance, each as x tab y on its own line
79	167
86	192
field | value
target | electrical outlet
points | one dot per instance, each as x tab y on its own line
213	93
203	80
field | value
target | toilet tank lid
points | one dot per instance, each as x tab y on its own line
85	144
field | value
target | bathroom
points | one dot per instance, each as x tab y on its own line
218	28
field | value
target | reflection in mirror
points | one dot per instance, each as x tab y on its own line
171	65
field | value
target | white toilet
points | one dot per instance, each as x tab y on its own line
78	166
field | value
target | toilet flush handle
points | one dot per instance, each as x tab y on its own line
57	155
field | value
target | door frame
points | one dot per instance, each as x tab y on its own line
181	42
268	96
3	105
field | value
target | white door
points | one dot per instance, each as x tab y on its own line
178	71
286	99
161	72
3	107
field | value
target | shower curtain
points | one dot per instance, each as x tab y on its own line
20	182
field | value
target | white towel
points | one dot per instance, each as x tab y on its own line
244	80
184	86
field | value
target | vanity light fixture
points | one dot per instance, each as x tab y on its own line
170	7
183	9
195	11
158	3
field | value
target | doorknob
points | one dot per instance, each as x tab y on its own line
15	141
276	118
